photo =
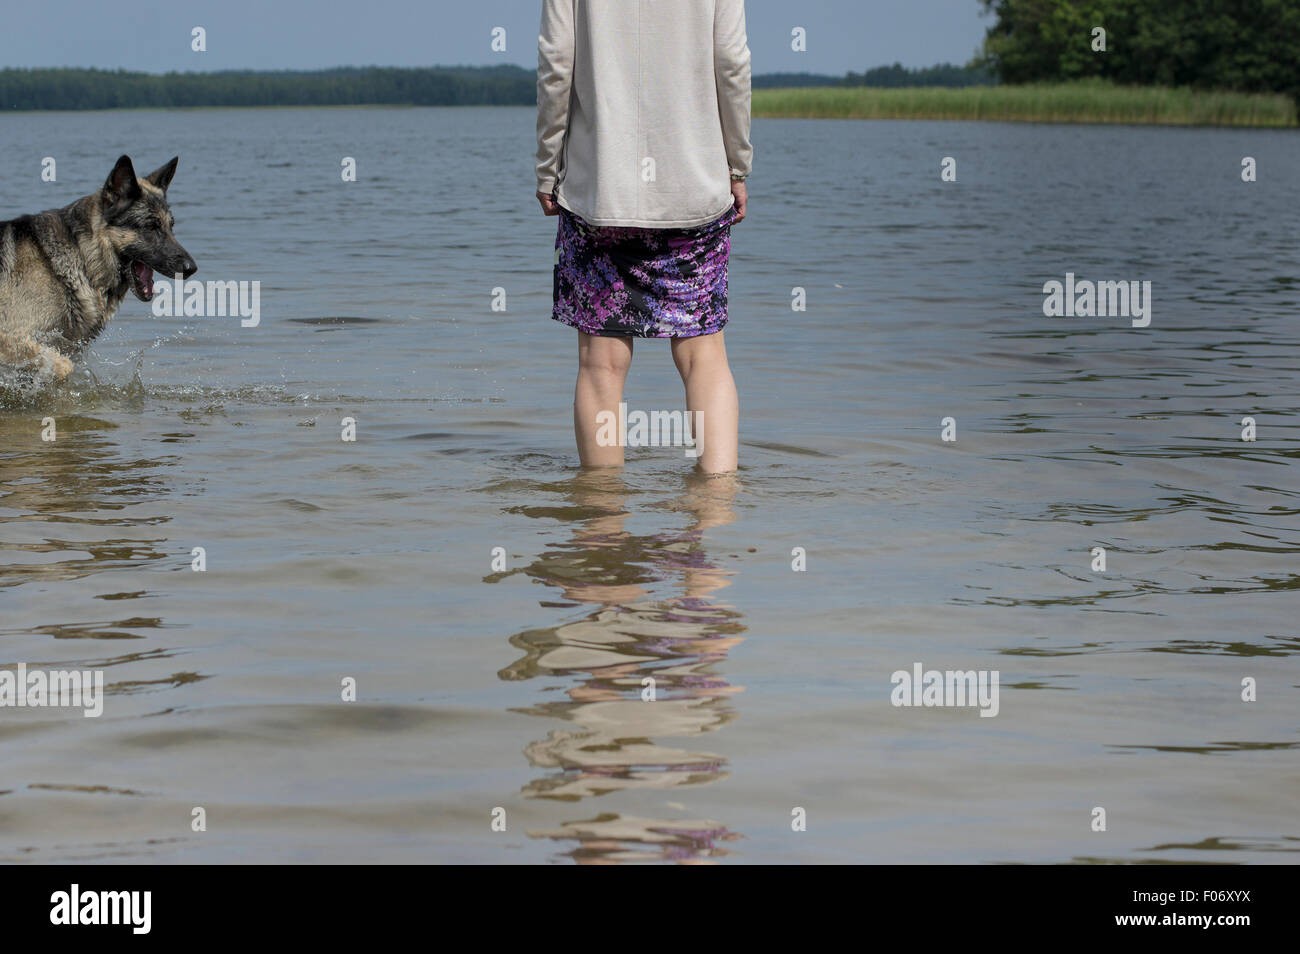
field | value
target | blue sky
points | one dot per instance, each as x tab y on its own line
154	35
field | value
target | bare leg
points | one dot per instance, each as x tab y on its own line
602	370
710	390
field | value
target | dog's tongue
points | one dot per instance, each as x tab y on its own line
144	276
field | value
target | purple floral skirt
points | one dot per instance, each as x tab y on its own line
642	283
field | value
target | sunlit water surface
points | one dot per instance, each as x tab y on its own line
519	686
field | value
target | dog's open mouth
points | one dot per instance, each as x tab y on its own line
142	281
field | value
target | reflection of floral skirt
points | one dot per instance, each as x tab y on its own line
643	283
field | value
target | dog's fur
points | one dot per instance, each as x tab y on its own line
64	273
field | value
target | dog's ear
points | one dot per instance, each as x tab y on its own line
122	185
162	178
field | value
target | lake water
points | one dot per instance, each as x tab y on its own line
481	688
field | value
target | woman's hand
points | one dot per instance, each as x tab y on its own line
741	197
549	205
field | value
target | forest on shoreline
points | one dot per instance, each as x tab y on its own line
1123	61
77	89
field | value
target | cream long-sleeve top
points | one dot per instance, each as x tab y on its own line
643	109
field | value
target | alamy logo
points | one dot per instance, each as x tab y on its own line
103	907
953	688
195	299
59	688
655	429
1088	299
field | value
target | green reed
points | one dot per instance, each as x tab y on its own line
1088	101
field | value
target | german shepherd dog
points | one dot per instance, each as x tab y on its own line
64	273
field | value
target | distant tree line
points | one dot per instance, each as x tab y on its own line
352	86
1244	45
364	86
945	74
1251	46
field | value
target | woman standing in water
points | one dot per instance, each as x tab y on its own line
643	149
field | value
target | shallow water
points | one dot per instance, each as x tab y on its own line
520	689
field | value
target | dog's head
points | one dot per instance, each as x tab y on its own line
139	227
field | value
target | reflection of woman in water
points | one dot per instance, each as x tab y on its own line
643	115
609	652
